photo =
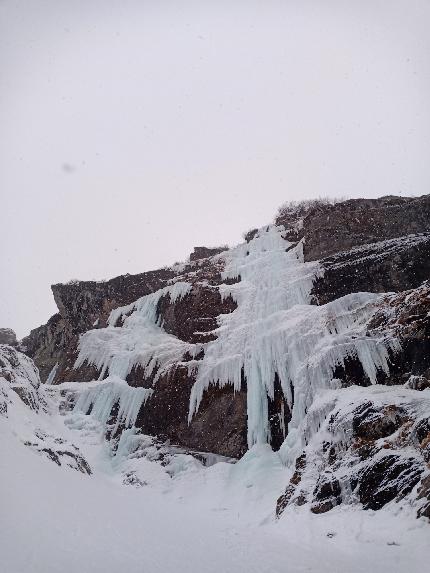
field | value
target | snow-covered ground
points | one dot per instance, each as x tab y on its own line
178	515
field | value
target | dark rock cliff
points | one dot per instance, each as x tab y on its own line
8	336
387	266
330	229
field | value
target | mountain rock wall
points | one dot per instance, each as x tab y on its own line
332	228
379	245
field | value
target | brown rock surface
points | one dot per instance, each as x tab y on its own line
330	229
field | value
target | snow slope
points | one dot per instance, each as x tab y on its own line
180	516
74	501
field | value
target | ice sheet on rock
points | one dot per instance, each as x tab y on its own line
102	396
273	278
275	330
140	341
147	305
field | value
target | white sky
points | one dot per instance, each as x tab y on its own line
131	131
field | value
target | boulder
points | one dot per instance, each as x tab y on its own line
8	336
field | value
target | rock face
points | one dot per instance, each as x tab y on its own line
362	246
8	336
83	305
21	394
388	266
334	228
205	252
372	448
19	373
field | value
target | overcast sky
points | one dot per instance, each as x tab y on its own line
131	131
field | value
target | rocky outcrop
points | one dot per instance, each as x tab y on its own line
19	373
58	450
8	336
83	305
193	318
22	395
205	252
333	228
219	426
370	448
407	315
387	266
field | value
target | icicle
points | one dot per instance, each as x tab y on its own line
275	330
147	305
273	278
102	396
140	341
52	374
281	420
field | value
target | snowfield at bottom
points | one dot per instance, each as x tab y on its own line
177	515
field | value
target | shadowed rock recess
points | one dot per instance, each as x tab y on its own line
228	347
